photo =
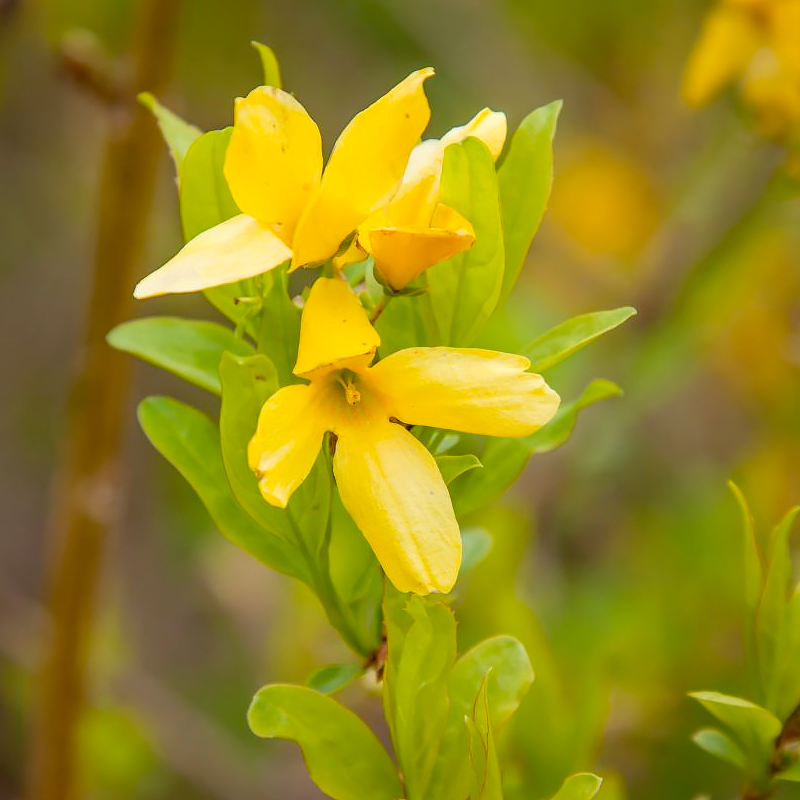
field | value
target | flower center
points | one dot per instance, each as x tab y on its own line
347	380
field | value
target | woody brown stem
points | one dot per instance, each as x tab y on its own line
85	505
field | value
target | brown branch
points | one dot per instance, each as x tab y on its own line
85	505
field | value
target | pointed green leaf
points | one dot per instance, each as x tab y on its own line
453	466
524	180
464	290
567	338
188	348
486	782
190	442
754	728
279	329
205	197
771	616
558	430
753	584
334	677
178	134
503	461
343	756
419	690
476	543
502	665
581	786
269	63
720	745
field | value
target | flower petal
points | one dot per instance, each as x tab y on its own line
402	253
236	249
727	42
393	490
274	159
364	169
426	158
335	332
470	390
288	438
491	127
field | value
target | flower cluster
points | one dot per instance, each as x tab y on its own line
754	43
377	197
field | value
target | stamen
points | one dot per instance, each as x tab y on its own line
351	393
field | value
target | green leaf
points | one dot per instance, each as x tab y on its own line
502	664
524	179
334	677
720	745
269	63
419	683
753	582
558	430
188	348
754	728
503	461
581	786
567	338
343	756
205	201
509	671
190	442
476	544
486	782
788	683
771	617
464	290
453	466
791	773
178	134
279	330
205	197
246	385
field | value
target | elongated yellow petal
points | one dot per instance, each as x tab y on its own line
288	438
236	249
470	390
402	253
491	127
365	167
727	42
425	162
335	332
393	490
274	159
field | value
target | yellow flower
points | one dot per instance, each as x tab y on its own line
755	41
291	208
388	481
414	231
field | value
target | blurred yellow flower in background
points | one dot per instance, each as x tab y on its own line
291	208
604	200
757	43
388	481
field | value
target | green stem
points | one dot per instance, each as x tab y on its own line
323	587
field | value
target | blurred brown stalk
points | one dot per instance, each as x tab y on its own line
85	506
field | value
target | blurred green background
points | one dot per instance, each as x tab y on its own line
616	559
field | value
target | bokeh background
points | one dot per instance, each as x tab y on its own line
616	559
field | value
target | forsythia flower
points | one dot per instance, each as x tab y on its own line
291	208
414	231
388	481
757	42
